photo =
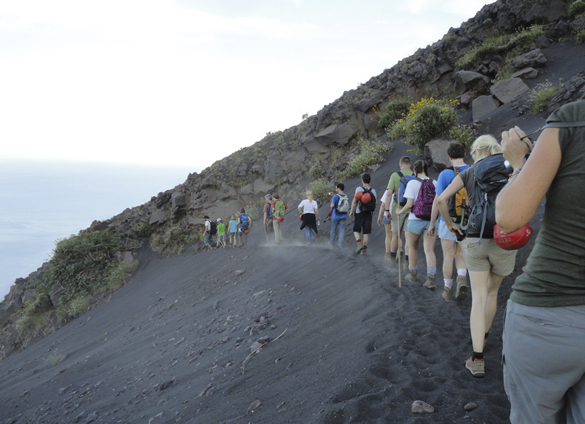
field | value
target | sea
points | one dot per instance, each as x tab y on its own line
43	202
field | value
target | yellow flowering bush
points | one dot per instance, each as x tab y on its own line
428	119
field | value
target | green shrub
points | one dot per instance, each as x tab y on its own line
580	37
321	189
465	134
174	239
78	306
392	112
142	229
576	8
426	120
541	95
81	263
315	172
30	325
371	153
500	44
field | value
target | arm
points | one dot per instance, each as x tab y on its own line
382	209
518	201
353	206
434	215
454	187
407	207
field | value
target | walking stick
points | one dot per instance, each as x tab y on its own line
398	252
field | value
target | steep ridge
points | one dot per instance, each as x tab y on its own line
171	345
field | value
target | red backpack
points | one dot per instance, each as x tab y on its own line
424	201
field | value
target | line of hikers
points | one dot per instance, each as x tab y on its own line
235	234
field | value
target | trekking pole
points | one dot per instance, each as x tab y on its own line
398	252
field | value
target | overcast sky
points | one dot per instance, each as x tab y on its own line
187	82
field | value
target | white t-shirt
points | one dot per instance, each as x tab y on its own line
411	192
207	226
307	206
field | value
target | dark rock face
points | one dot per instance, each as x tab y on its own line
532	59
572	90
508	90
470	81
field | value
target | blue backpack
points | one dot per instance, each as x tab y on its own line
404	179
243	220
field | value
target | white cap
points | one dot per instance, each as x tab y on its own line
218	219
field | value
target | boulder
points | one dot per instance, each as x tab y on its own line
158	217
509	90
312	145
125	257
273	167
55	295
532	59
178	200
482	106
525	73
261	187
470	81
247	189
436	150
573	89
335	134
468	98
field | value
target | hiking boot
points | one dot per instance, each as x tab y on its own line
360	247
411	276
388	258
447	294
430	282
364	251
405	263
461	292
476	367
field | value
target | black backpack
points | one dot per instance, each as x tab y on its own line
213	228
491	175
371	205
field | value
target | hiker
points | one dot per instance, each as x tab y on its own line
278	213
220	233
544	332
419	192
396	187
207	238
233	227
363	213
268	218
310	216
339	209
385	218
458	206
487	263
244	223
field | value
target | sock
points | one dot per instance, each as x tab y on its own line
365	247
392	254
406	258
448	283
432	270
412	268
359	241
462	272
477	355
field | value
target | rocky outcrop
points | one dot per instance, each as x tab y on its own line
572	90
508	90
482	106
533	59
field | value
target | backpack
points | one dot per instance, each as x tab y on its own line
424	200
270	214
458	204
404	179
243	220
342	204
491	175
213	228
371	205
279	209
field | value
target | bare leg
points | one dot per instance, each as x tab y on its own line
484	292
412	240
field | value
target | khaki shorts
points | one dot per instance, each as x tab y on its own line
487	256
396	225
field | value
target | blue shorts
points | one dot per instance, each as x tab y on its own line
444	232
418	226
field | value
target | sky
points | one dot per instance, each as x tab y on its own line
187	82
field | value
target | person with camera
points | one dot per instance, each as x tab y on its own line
544	332
487	263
